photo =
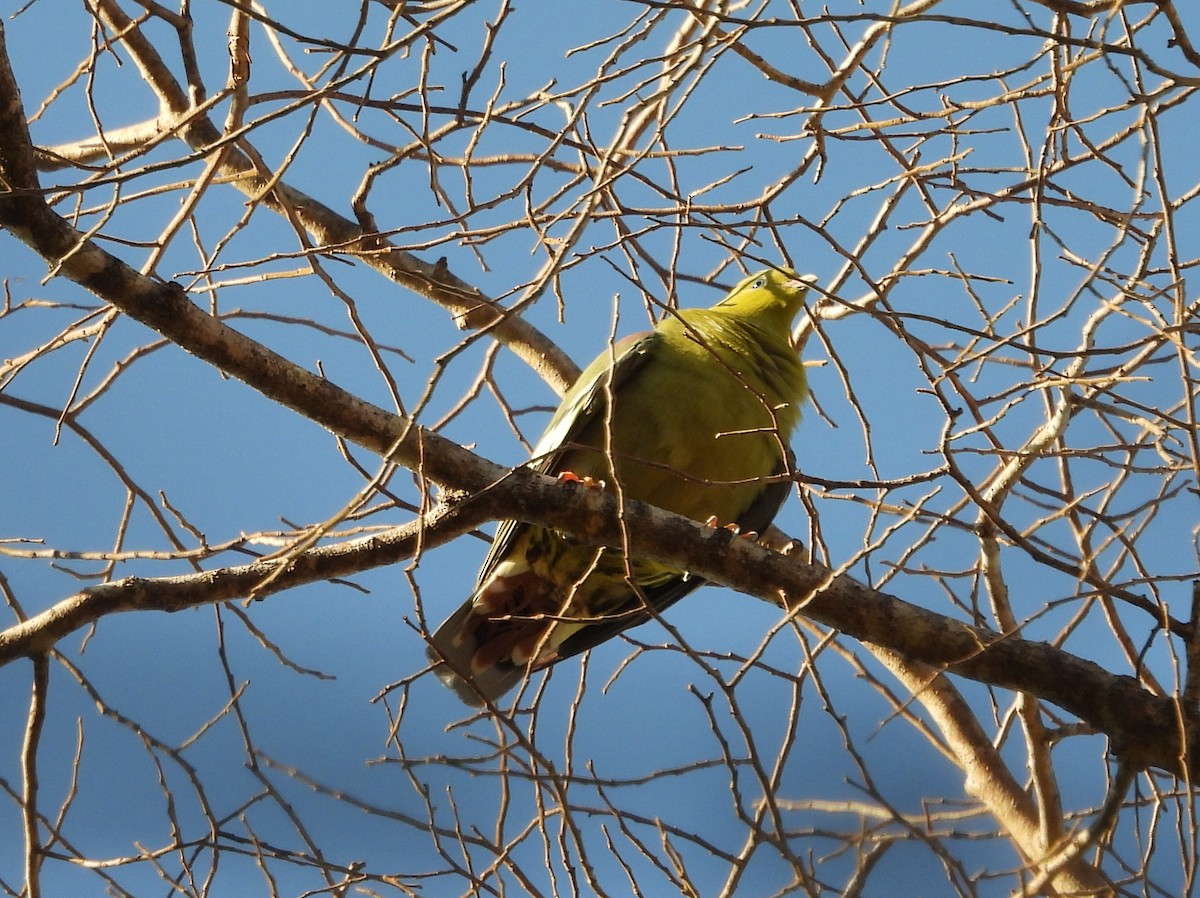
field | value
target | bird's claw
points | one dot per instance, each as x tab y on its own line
570	478
714	522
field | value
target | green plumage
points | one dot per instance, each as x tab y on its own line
690	417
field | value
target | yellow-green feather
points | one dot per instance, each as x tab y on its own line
693	424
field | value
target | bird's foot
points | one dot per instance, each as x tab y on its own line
570	478
715	522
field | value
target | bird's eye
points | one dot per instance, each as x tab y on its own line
759	282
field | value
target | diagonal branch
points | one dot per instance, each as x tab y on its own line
1145	730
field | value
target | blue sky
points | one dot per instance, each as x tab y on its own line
231	463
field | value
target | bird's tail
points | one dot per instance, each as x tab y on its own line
450	651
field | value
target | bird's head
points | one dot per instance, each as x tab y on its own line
773	296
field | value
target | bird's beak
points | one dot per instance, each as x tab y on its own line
803	282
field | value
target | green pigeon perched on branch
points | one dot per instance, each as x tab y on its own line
694	417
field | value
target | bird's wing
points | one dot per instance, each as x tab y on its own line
578	408
766	504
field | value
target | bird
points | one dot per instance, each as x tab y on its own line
694	417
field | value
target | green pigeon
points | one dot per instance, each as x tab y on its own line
692	417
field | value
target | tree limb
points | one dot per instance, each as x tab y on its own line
1146	730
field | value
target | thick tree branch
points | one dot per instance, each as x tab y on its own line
1145	729
1013	223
